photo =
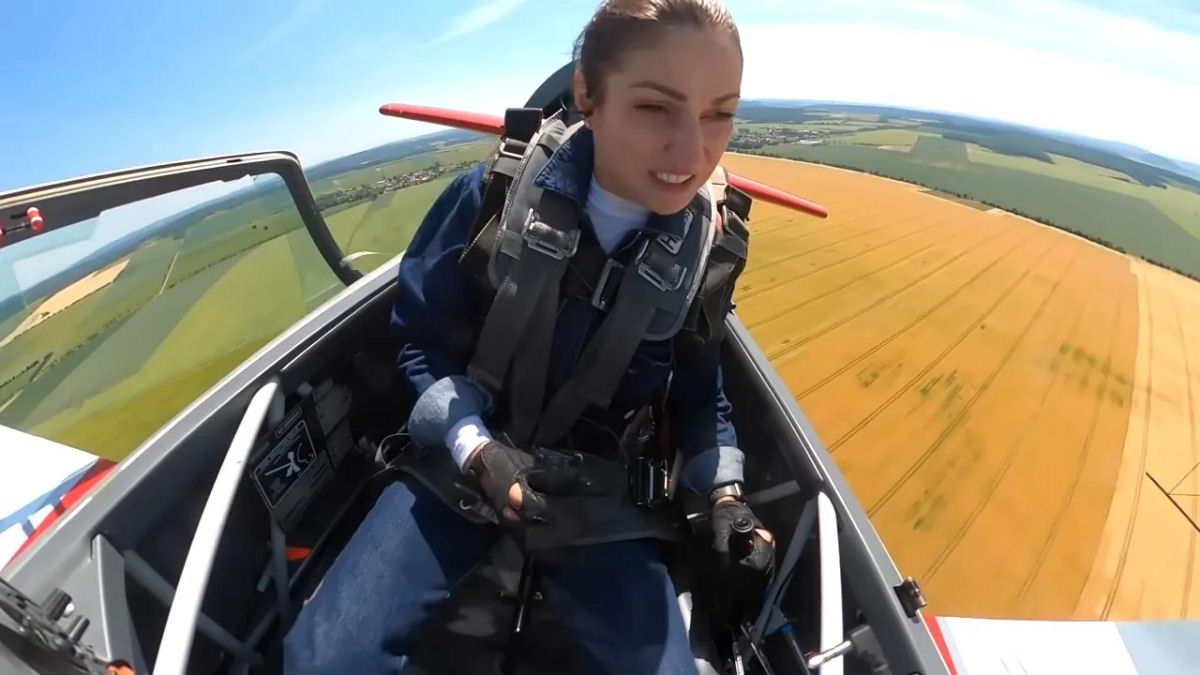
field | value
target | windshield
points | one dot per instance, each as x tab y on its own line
112	325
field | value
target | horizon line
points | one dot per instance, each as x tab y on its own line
1183	164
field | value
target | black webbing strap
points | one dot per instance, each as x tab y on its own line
532	360
539	232
504	164
608	354
543	258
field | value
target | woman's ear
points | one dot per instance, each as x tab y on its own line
583	99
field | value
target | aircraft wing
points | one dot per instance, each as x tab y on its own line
973	646
39	480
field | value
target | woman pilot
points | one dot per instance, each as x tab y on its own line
658	84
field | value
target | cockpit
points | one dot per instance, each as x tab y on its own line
230	346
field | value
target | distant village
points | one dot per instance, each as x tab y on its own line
758	136
388	184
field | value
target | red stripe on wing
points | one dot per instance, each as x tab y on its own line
939	638
90	479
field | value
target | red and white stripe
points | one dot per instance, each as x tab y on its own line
1001	646
39	480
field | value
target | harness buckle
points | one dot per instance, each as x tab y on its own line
598	299
648	482
541	237
506	149
665	275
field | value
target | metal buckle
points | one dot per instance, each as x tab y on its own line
505	152
544	244
647	272
598	300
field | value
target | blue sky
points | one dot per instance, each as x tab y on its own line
94	86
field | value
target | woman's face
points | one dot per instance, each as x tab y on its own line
666	117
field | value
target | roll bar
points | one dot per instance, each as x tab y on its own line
176	644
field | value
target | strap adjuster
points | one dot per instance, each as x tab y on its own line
670	242
599	301
512	149
663	274
548	241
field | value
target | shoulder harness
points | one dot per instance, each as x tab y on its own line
523	243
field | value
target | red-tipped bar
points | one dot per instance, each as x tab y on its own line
491	124
486	124
776	196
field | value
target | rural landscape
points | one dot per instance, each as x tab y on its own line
996	333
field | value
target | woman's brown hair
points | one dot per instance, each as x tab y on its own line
621	25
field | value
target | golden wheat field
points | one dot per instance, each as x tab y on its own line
1015	407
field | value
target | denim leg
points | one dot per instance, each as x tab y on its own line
619	602
396	570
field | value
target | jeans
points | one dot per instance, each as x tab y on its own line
399	567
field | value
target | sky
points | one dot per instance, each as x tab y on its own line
97	86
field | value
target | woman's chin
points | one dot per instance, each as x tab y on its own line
667	202
665	205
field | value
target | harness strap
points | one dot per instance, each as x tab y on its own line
504	163
545	237
597	376
600	513
512	309
532	361
592	276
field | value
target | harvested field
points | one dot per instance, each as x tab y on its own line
1146	564
996	392
70	295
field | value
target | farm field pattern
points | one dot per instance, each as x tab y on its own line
998	393
105	362
1015	406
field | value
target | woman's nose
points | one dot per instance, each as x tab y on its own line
685	142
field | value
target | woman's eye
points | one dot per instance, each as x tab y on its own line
651	107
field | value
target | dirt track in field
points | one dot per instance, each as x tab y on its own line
1001	395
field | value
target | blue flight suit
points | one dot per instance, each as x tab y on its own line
394	571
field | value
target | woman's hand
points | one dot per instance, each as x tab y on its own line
762	532
758	554
745	559
518	482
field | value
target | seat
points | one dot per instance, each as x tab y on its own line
525	593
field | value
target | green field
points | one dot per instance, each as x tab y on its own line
1180	204
218	238
124	351
470	152
1117	202
881	137
108	370
938	151
384	225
